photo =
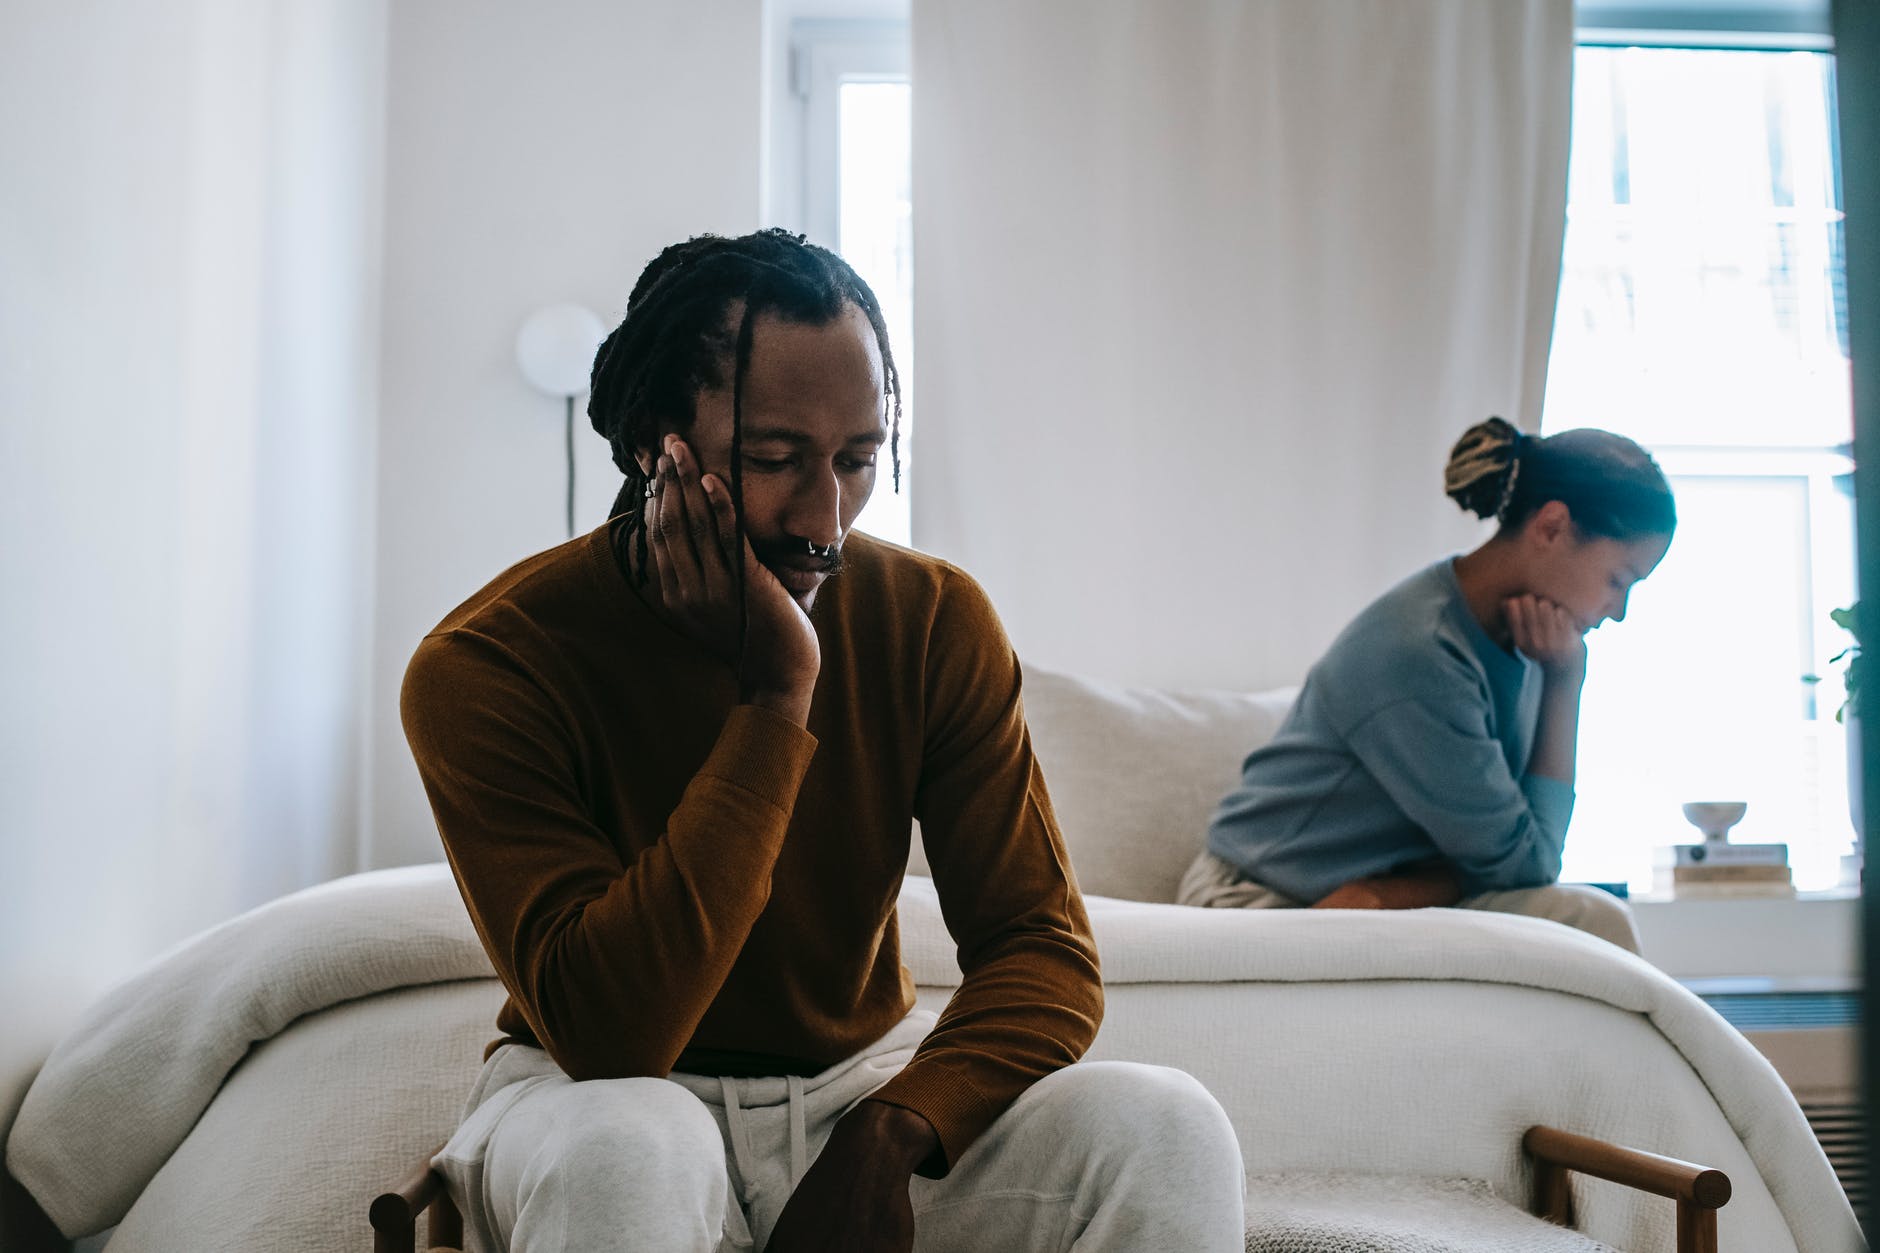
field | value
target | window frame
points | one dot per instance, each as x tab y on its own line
1826	470
1760	25
825	53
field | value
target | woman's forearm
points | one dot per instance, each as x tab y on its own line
1557	735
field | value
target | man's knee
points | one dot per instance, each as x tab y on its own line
1154	1112
647	1136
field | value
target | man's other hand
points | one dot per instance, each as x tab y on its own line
855	1197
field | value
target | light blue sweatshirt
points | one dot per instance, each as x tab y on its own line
1409	742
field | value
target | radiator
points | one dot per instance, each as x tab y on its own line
1809	1030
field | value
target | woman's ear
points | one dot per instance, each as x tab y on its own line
1552	522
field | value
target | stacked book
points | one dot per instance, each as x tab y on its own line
1718	869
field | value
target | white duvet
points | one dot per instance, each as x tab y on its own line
1397	1043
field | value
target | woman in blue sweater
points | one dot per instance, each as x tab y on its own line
1429	758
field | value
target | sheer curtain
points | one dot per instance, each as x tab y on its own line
1205	291
189	240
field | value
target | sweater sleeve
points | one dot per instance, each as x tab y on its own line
612	965
1433	754
1031	996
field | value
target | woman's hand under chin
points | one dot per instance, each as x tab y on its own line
1548	633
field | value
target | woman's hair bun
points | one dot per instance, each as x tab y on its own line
1481	465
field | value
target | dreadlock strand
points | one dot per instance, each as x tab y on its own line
864	297
740	363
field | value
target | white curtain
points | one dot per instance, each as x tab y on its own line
1205	290
189	245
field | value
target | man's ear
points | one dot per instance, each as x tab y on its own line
649	457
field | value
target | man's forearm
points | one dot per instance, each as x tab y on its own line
586	943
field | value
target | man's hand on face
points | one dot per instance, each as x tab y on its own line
855	1197
692	541
1546	632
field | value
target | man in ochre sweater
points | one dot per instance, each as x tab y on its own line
675	764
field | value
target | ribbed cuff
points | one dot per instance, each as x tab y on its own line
762	752
950	1101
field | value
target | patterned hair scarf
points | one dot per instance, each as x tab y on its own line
1487	452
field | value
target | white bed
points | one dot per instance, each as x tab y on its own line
256	1088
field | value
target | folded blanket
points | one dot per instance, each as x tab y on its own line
120	1093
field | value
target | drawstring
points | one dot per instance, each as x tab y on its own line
739	1132
799	1139
739	1135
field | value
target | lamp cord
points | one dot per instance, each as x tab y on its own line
570	400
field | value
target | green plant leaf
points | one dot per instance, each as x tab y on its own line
1848	619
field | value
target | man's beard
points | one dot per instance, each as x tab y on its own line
798	554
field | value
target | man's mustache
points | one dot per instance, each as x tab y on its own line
799	554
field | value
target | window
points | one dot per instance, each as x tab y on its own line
849	80
1702	312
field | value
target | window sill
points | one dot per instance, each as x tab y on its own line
1809	935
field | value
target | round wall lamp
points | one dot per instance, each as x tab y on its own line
555	351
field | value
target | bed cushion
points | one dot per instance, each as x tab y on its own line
1135	774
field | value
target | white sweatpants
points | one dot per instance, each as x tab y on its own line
1098	1156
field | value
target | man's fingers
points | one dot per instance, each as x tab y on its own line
658	530
701	520
678	567
724	517
676	513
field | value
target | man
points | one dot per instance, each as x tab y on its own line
675	764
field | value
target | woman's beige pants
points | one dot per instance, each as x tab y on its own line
1219	885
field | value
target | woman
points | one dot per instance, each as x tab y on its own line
1429	758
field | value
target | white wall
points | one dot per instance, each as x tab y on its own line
536	154
189	200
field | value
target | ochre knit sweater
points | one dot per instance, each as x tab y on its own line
666	879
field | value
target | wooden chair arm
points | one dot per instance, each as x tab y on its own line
1699	1190
394	1214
